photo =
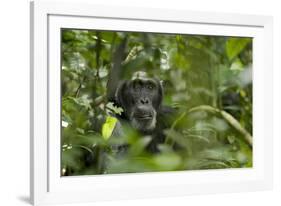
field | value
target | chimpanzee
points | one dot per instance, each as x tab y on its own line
141	99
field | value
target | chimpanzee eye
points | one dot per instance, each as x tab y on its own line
150	86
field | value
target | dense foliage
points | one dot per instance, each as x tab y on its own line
208	79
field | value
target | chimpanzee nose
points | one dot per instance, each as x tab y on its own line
144	100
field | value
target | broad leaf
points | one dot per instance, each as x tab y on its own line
236	45
108	127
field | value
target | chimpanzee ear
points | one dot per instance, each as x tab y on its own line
120	93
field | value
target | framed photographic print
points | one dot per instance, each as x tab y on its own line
131	106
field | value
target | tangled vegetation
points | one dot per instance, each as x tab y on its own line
207	79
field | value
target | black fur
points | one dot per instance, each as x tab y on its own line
141	100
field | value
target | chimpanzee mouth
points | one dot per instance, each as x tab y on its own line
144	117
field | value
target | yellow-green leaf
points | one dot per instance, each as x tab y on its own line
108	127
235	45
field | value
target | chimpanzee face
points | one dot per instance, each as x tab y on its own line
140	98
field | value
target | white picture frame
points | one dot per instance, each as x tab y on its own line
47	186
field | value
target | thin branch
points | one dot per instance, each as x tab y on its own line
99	100
229	118
98	48
79	87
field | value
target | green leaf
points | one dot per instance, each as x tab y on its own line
168	161
108	127
231	139
237	65
139	146
111	107
236	45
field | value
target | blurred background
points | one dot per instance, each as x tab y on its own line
207	79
